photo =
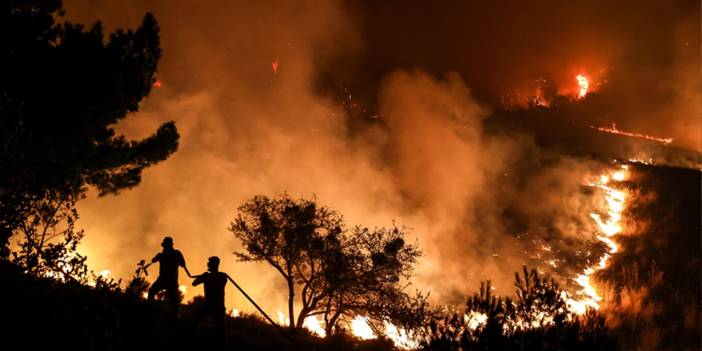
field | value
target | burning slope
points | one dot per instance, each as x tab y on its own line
613	130
543	91
609	227
652	285
583	84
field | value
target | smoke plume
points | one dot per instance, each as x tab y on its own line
478	202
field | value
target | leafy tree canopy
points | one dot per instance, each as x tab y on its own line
338	273
63	89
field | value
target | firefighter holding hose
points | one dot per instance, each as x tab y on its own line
169	259
215	282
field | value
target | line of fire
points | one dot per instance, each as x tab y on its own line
350	175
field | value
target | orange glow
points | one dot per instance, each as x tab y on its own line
274	66
608	227
619	175
361	329
400	338
475	319
282	320
314	325
158	84
105	273
584	84
613	130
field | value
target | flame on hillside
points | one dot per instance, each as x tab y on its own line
542	91
613	130
583	85
609	226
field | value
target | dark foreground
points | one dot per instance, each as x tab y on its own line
45	314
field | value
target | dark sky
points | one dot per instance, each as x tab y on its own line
644	54
493	43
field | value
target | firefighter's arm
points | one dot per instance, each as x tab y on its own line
182	264
198	280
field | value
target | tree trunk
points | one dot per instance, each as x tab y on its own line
332	322
301	318
291	299
328	328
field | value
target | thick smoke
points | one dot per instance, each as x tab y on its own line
245	130
479	202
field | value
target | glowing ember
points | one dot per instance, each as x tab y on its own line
158	84
274	66
584	84
361	329
613	130
609	227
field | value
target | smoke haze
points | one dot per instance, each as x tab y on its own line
478	202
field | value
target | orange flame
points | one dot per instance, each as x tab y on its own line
235	313
274	66
361	329
608	227
584	84
614	130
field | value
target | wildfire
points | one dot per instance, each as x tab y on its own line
315	326
400	337
475	319
92	282
584	84
361	329
281	318
105	273
613	130
608	227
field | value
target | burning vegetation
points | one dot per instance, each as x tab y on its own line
490	176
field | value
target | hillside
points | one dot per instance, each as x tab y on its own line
46	314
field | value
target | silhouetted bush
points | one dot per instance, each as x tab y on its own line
536	320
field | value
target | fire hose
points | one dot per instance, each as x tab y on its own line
277	327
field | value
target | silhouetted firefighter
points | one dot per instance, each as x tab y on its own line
169	260
214	281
